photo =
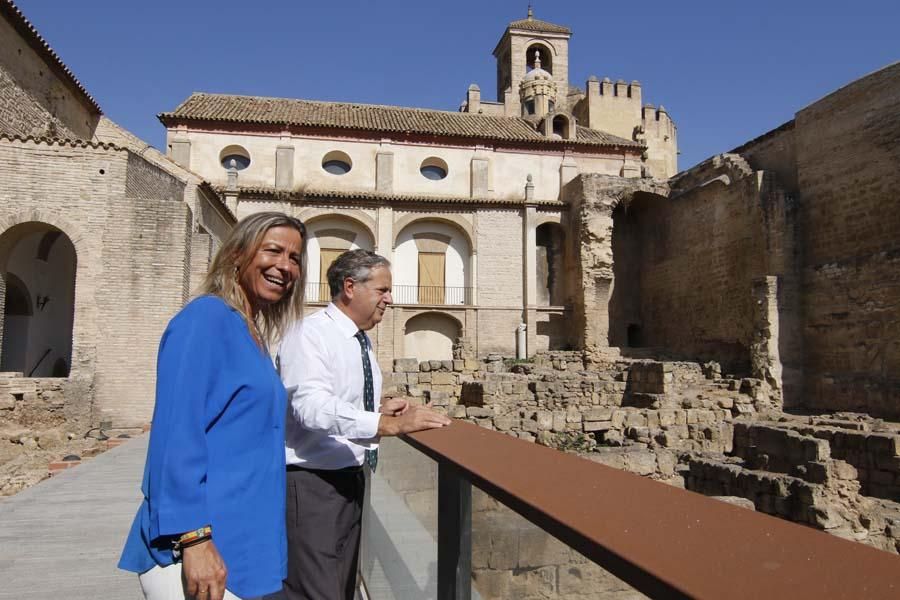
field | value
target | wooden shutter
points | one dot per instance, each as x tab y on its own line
431	277
326	257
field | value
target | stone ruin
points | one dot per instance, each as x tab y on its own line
682	423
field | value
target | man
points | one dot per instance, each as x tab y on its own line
334	422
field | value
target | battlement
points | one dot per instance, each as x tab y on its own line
619	90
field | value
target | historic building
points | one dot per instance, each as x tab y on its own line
467	205
551	217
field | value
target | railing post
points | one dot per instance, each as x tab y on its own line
454	581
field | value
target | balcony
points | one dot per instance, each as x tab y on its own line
466	512
431	295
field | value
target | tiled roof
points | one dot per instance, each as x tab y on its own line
532	24
369	117
12	14
373	196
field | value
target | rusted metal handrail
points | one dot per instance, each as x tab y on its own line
664	541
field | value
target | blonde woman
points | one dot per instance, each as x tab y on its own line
211	525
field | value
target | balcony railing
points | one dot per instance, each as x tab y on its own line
405	294
664	541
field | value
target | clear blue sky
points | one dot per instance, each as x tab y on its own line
726	71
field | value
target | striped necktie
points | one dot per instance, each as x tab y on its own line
368	392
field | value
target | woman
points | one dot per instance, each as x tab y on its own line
214	491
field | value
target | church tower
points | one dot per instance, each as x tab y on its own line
526	45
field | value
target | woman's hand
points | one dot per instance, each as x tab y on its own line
203	571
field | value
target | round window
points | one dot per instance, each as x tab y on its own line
337	162
234	156
336	167
235	160
433	168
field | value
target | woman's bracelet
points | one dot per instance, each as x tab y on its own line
191	538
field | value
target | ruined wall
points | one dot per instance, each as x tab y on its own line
724	226
848	152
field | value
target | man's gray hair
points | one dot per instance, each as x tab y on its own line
355	264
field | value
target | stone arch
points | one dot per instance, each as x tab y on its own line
431	335
433	262
456	221
311	215
41	259
330	234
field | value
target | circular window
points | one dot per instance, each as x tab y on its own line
337	163
433	168
234	156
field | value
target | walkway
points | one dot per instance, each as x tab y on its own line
61	538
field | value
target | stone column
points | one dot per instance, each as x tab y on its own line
765	361
529	267
384	232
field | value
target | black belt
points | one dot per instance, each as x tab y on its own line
353	469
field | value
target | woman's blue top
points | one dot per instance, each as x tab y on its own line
216	454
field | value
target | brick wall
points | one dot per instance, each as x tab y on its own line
33	99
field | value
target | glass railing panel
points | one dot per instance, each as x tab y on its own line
398	558
513	558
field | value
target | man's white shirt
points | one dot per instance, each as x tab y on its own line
321	366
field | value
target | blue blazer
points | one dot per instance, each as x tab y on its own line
216	453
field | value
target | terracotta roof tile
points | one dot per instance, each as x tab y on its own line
532	24
369	117
12	13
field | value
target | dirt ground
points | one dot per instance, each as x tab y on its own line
26	454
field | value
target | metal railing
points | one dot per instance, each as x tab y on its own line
405	294
664	541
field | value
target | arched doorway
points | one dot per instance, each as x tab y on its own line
37	263
550	264
431	264
329	237
430	336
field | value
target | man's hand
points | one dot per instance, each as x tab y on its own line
416	418
203	571
394	406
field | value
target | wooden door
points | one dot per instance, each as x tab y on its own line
431	277
326	257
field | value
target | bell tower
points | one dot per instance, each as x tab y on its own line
528	44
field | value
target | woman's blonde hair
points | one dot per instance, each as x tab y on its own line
233	257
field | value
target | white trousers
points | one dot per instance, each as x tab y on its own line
164	583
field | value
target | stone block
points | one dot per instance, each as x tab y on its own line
544	420
457	411
443	378
506	423
603	413
425	366
435	365
594	426
459	365
479	412
446	365
406	365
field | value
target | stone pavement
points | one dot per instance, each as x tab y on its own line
61	538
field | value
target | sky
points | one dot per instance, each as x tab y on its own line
726	71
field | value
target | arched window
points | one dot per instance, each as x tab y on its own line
543	53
